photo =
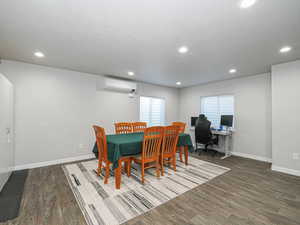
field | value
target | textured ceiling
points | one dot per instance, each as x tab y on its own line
115	36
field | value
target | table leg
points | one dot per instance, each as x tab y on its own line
186	154
118	175
226	147
180	153
226	156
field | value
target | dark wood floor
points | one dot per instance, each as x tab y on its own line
249	194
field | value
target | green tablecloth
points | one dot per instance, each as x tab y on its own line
131	144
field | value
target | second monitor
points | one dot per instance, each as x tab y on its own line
227	120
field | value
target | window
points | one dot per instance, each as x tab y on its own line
152	111
215	106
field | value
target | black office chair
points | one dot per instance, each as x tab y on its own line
204	136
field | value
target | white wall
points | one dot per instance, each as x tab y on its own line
286	116
6	122
252	111
55	110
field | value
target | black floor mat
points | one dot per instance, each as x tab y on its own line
11	195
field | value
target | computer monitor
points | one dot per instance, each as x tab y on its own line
226	120
193	121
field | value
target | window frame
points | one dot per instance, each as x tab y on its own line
155	97
222	95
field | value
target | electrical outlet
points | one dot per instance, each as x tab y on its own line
296	156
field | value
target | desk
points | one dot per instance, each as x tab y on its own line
227	135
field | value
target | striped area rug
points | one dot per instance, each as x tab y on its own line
103	204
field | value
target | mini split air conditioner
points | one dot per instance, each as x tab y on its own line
118	85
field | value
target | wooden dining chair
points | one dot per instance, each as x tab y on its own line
139	126
149	158
103	155
102	152
181	127
169	146
123	128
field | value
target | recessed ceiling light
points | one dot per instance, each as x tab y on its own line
130	73
232	71
183	49
39	54
247	3
178	83
285	49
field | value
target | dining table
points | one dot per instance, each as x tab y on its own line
120	145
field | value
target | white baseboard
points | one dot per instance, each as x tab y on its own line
285	170
54	162
255	157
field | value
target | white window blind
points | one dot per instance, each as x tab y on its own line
152	111
215	106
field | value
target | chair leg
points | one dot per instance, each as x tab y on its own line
143	173
199	152
99	167
106	173
129	168
205	149
118	175
162	165
215	153
174	162
212	152
186	154
125	166
157	169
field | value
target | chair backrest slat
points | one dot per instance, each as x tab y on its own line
170	140
152	142
101	142
181	126
139	126
123	128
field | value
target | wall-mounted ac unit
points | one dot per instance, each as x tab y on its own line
118	85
